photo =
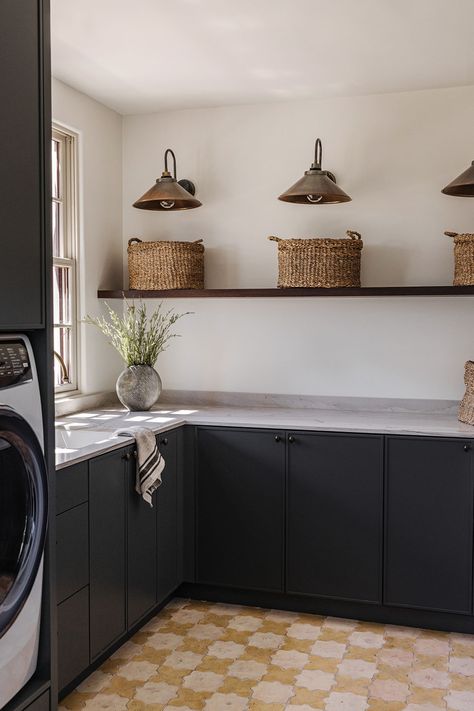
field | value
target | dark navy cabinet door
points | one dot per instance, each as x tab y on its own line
429	524
334	528
21	165
240	508
166	503
107	521
141	551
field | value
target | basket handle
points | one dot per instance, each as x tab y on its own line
353	235
134	240
275	239
451	234
198	241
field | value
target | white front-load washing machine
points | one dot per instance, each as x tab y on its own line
23	514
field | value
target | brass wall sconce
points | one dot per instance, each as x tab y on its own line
317	186
463	185
169	193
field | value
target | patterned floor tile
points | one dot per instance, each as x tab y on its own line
290	659
300	630
333	650
338	701
198	656
226	702
315	680
272	692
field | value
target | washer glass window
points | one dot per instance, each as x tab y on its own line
23	513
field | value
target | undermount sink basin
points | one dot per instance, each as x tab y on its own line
69	439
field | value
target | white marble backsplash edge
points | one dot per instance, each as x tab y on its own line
310	402
77	403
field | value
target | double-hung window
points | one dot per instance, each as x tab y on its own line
64	223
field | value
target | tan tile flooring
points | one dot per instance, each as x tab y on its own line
197	655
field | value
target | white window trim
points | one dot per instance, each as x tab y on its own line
70	184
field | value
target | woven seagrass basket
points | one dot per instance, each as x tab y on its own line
466	408
463	258
320	262
165	265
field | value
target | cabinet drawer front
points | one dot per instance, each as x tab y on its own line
72	551
72	486
429	525
73	637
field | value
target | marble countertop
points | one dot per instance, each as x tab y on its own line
422	422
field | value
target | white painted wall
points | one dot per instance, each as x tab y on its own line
100	222
392	153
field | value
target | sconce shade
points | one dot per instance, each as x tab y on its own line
168	194
463	185
317	186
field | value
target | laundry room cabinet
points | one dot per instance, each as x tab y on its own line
25	175
168	507
72	571
429	524
153	535
118	559
334	516
339	523
108	573
240	490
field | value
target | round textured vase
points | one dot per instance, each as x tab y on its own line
138	387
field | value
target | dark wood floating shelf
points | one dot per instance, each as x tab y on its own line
243	293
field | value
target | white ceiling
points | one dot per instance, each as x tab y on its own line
141	56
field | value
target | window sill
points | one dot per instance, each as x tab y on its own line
67	403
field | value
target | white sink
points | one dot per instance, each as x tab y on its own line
68	440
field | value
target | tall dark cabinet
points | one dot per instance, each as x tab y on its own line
25	256
25	107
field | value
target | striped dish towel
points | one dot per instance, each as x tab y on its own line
150	463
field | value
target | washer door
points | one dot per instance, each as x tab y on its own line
23	513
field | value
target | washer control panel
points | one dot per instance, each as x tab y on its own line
15	366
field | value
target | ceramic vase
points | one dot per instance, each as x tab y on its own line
138	387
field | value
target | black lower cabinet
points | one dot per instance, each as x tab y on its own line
40	704
167	515
240	508
141	551
153	537
107	533
72	551
429	524
336	523
73	637
334	516
117	557
72	572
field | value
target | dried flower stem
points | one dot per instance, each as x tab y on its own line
138	338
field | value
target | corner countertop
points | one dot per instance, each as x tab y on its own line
422	422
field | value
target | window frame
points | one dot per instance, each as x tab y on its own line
69	229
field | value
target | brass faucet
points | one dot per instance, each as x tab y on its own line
65	380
